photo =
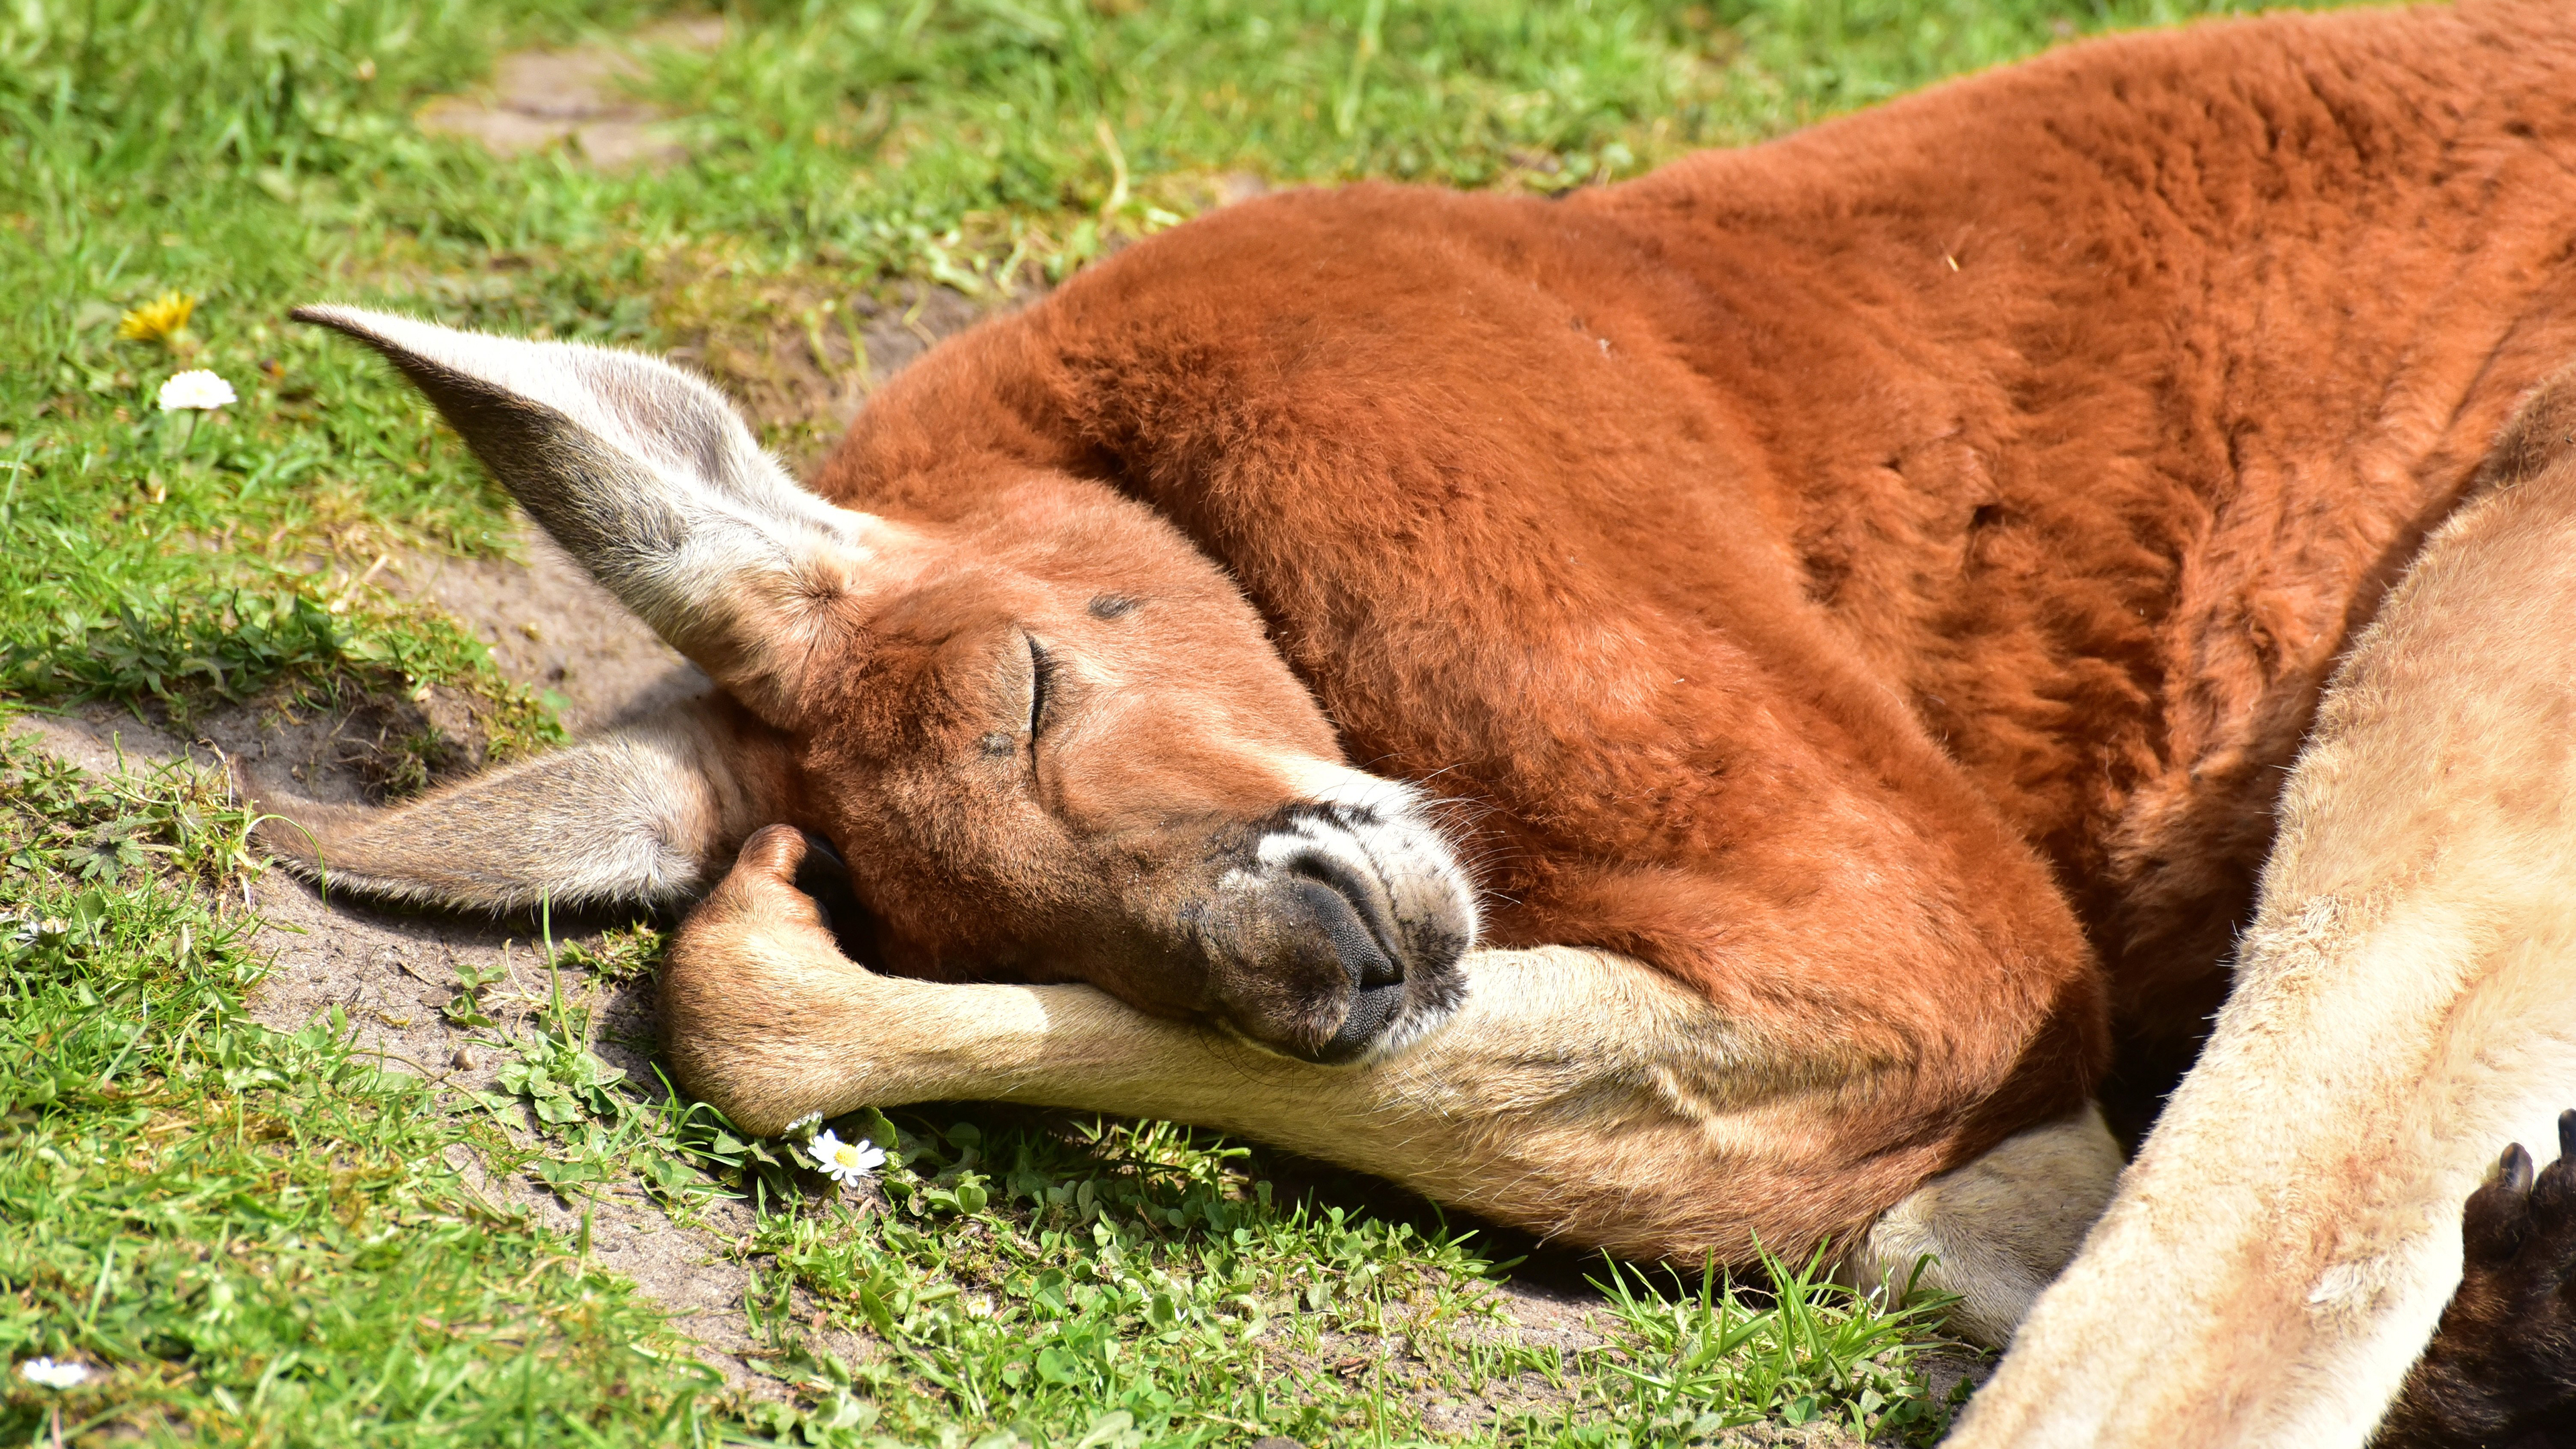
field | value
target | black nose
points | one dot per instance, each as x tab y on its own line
1372	1008
1377	979
1337	915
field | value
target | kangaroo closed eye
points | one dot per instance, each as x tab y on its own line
1042	670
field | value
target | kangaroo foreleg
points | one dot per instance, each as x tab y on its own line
2291	1229
1576	1093
645	815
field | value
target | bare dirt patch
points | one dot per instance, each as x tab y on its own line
583	96
550	626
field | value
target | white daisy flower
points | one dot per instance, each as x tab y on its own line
196	388
52	1375
847	1163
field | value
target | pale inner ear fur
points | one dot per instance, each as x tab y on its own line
2290	1231
650	814
650	480
1575	1092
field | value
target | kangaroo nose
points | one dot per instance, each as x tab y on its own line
1340	937
1354	945
1354	918
1376	978
1372	1009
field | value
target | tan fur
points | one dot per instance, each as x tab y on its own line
1576	1092
1999	1229
2280	1250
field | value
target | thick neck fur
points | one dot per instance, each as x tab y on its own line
1910	550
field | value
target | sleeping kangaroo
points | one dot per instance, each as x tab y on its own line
1717	706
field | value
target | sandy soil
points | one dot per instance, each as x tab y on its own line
550	626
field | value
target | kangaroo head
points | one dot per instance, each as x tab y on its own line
1048	736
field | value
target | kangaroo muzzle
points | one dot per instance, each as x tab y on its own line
1337	936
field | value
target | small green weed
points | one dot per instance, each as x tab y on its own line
1702	1360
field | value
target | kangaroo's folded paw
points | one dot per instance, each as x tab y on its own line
825	879
759	1000
2501	1370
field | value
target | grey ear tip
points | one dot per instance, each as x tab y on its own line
334	315
347	321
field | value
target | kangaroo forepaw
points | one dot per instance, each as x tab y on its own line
2501	1370
760	1003
825	877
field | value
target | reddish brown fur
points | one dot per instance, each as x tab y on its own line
1876	577
934	665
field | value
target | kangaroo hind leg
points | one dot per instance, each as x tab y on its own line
2290	1227
2502	1367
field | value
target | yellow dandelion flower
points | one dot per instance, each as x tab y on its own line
159	320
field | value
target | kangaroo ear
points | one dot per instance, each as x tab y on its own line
647	815
650	479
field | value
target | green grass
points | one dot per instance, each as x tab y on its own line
260	1236
255	1232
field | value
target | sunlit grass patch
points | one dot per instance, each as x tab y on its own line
248	1234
